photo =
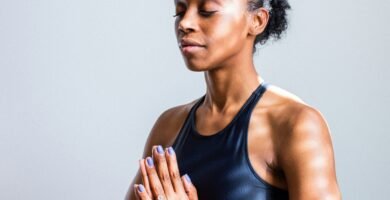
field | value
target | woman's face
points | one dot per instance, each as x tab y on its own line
210	32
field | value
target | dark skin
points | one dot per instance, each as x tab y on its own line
164	179
289	142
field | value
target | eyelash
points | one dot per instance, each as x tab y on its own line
202	12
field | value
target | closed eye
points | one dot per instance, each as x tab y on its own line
178	14
201	12
207	13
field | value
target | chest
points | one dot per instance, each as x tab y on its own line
224	174
221	165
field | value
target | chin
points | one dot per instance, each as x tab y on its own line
197	67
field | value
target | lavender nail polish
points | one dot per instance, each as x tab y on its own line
187	178
171	151
160	150
141	188
149	161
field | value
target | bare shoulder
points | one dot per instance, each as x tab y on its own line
289	110
295	119
304	146
167	126
163	132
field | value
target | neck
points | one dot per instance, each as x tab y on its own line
230	85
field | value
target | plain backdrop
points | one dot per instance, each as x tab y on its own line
83	81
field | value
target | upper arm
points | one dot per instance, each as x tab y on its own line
162	133
307	158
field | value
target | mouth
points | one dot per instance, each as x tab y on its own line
188	46
190	49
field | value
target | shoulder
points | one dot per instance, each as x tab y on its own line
167	126
170	121
284	107
163	132
307	132
297	120
304	146
300	120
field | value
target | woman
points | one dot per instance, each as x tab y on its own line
245	138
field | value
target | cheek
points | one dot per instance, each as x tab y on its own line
227	35
230	25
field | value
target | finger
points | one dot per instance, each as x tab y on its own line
135	192
153	148
189	188
154	180
140	192
174	170
145	178
162	170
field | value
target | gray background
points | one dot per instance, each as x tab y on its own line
83	81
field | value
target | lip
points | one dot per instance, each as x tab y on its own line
189	42
190	46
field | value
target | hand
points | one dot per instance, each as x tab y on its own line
162	181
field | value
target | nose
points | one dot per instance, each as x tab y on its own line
188	22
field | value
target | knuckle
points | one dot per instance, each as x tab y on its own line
161	158
156	189
165	177
172	160
151	172
175	175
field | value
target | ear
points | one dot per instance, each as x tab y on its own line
258	21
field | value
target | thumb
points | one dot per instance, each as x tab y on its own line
189	187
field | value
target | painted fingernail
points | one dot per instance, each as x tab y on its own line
149	161
160	150
187	178
141	188
171	151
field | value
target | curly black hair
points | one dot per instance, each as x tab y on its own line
277	22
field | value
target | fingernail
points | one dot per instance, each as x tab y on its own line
149	161
187	178
141	188
160	150
171	151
